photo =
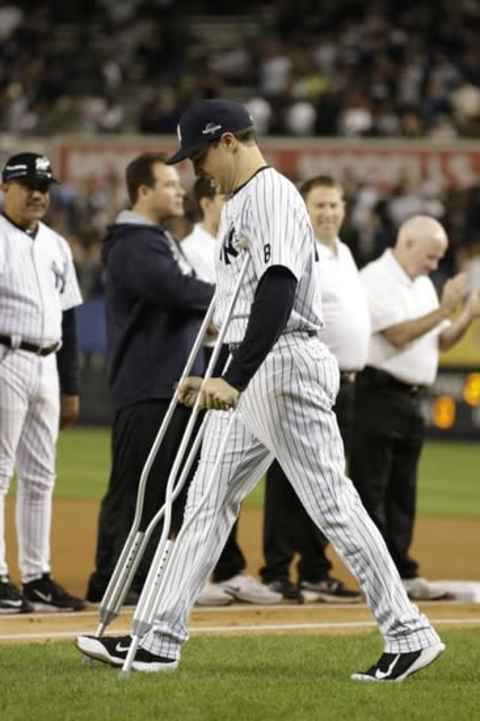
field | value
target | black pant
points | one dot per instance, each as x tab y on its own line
388	438
287	527
133	433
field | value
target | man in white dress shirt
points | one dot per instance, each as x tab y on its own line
287	527
229	582
409	328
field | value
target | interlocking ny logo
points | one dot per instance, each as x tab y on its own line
228	249
59	276
42	164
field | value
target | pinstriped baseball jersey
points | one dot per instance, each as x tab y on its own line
269	215
37	283
286	412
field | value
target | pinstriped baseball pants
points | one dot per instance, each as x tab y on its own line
286	412
29	416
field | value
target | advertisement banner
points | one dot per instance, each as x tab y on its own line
381	162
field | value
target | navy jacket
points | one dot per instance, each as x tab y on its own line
154	310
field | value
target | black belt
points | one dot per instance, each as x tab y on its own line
30	347
382	378
232	347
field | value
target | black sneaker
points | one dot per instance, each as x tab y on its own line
328	590
11	600
113	650
289	590
397	666
47	595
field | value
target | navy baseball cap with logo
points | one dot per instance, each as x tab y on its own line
28	167
205	121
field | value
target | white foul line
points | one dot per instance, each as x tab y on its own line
221	630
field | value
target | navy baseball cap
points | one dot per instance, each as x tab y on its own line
28	167
204	122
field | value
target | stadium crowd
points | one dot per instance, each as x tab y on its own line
354	69
377	69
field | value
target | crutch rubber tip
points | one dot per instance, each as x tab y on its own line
123	675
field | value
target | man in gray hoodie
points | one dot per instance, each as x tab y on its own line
154	307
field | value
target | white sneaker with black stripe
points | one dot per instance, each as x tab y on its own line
397	666
113	650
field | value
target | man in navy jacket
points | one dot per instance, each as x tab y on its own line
154	307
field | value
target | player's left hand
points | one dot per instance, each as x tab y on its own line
69	409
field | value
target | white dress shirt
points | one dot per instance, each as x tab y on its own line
393	297
199	248
344	307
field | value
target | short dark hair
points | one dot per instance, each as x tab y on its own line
140	172
203	188
247	136
319	181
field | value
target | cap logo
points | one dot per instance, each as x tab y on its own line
179	134
211	128
42	164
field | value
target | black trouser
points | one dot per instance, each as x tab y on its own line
387	442
133	433
287	527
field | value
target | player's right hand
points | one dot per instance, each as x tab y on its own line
453	293
188	390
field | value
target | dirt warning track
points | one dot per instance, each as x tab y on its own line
235	619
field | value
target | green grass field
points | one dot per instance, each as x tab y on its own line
251	678
259	678
449	477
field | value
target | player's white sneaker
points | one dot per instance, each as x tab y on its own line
213	595
419	589
249	590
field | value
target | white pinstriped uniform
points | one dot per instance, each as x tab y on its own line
37	283
286	412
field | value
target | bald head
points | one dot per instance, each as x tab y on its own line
421	244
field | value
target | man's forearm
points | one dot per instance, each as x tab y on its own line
403	333
451	335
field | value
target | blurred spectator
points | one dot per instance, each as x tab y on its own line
362	69
359	70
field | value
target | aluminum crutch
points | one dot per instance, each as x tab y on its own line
155	583
143	542
145	609
137	540
130	555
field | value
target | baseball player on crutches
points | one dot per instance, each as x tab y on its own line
283	381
